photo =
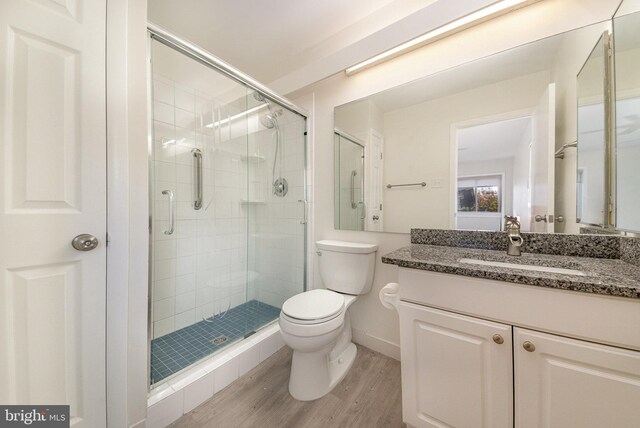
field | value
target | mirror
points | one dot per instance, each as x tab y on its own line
592	188
462	148
349	182
626	25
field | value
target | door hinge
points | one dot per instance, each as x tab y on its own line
380	207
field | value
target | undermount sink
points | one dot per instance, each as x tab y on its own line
523	267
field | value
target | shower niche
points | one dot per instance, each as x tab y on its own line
227	192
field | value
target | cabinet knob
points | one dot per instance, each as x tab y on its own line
528	346
498	339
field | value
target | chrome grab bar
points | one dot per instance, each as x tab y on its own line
197	179
423	184
172	212
354	205
306	209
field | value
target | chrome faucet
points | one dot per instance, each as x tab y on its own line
512	227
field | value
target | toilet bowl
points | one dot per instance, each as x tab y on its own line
316	323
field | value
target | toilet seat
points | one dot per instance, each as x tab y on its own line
308	322
313	307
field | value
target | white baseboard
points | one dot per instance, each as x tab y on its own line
139	424
377	344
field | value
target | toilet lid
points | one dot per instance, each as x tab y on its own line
314	305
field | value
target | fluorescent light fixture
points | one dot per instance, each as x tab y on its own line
460	24
234	117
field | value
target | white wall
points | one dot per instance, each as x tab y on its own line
540	20
128	216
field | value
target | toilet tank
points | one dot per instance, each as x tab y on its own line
346	267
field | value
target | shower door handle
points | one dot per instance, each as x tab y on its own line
172	212
364	210
306	210
197	179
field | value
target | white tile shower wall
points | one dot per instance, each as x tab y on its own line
200	269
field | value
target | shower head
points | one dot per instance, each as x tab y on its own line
270	120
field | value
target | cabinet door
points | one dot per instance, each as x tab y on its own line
567	383
454	374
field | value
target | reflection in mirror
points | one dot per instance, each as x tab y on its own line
626	27
480	136
349	180
591	188
493	173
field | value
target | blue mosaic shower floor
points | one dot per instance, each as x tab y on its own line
175	351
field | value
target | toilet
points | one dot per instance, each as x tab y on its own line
316	324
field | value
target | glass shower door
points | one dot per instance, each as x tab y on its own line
199	246
227	207
277	206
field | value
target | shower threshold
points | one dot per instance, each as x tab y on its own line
178	350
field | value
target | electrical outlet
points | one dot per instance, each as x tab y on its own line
437	183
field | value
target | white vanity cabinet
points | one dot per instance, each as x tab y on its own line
482	353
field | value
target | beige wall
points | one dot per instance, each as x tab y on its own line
373	325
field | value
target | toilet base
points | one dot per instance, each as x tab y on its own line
313	375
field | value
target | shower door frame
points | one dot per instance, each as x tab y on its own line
193	51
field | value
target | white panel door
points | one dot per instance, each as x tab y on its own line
374	182
543	161
454	374
52	188
568	383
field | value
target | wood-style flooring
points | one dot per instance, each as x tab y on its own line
369	396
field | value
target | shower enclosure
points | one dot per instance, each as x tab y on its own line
227	199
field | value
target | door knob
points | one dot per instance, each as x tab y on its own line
528	346
498	339
546	218
84	242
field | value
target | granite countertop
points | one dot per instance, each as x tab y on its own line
612	277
